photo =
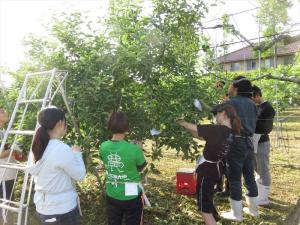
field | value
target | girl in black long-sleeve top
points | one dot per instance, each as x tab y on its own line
218	138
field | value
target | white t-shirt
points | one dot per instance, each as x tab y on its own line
53	176
9	174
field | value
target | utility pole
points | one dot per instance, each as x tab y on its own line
259	52
276	94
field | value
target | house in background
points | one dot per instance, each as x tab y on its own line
245	59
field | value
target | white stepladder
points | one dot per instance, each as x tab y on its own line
47	85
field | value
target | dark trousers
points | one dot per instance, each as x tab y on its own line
131	209
70	218
9	184
8	188
240	161
205	195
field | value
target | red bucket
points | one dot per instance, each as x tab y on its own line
186	181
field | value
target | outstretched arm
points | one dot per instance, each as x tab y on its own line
192	128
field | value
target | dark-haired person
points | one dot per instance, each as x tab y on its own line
264	126
222	187
218	140
55	166
123	161
240	157
7	176
221	91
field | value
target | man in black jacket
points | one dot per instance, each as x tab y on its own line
264	126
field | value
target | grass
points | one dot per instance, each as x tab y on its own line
171	208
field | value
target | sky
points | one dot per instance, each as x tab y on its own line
19	18
244	22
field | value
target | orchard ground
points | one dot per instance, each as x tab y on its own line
171	208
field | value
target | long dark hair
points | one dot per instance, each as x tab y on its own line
47	119
230	112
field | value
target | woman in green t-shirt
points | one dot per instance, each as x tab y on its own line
122	161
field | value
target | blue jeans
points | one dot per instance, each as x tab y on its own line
240	161
70	218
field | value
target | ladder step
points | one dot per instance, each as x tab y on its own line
22	132
15	166
45	73
3	200
10	208
5	204
32	101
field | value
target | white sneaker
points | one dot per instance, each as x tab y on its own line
235	213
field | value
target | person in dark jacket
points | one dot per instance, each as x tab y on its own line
240	157
264	126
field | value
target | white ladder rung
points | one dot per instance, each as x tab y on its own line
32	101
3	200
22	132
4	205
45	73
40	73
10	208
13	166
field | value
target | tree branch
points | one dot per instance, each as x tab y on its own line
292	79
265	46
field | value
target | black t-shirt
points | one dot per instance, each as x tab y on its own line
218	139
264	123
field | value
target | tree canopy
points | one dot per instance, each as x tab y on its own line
143	65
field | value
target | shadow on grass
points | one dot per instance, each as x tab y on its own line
274	213
286	165
169	207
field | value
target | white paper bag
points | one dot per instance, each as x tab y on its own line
131	189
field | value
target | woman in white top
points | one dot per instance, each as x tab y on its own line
55	166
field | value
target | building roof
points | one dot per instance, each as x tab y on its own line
246	53
289	49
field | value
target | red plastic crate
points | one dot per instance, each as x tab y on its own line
186	181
